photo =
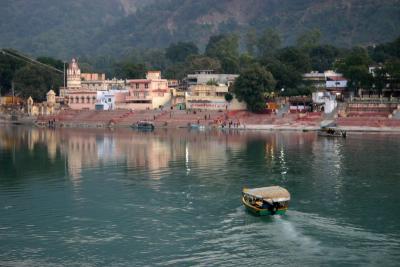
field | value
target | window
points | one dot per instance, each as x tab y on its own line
137	86
146	93
136	94
109	100
146	85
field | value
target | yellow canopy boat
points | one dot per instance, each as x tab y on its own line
266	200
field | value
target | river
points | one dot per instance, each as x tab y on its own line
96	197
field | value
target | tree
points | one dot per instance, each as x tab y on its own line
228	97
222	46
202	63
322	57
379	79
180	51
286	76
56	63
8	67
130	70
296	58
393	70
268	43
225	48
355	68
176	71
309	39
252	85
251	42
36	82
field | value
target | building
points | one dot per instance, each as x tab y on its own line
336	84
328	81
211	97
90	83
209	77
326	100
48	107
93	91
150	93
73	76
111	99
319	79
81	89
80	99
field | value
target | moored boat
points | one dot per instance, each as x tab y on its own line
269	200
143	125
330	132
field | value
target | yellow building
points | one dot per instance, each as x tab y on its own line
212	97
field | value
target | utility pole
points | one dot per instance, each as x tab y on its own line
64	75
12	90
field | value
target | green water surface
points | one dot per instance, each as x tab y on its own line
85	197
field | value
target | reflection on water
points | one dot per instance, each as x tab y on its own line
74	197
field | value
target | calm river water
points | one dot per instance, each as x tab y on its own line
124	198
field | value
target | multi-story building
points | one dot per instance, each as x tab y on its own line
211	97
329	81
85	90
207	90
81	89
150	93
319	79
209	77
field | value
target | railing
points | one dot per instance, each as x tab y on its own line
130	98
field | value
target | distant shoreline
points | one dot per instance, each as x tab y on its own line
249	127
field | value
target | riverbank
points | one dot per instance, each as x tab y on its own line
239	120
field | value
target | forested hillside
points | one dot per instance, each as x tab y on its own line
88	27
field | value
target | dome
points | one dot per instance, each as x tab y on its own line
51	92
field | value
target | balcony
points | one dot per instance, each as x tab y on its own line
136	98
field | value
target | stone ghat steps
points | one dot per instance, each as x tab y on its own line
138	115
368	114
183	118
87	117
368	122
379	110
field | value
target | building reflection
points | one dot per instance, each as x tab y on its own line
153	152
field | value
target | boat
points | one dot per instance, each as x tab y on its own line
196	126
143	125
269	200
331	132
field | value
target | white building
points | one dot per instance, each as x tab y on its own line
327	99
207	76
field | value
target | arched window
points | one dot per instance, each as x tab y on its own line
71	100
88	99
77	100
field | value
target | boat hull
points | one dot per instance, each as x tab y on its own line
336	134
262	212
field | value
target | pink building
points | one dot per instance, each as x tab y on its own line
85	90
150	93
82	99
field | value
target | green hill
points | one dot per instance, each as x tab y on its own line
83	27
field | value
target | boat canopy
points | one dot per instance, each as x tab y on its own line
274	193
